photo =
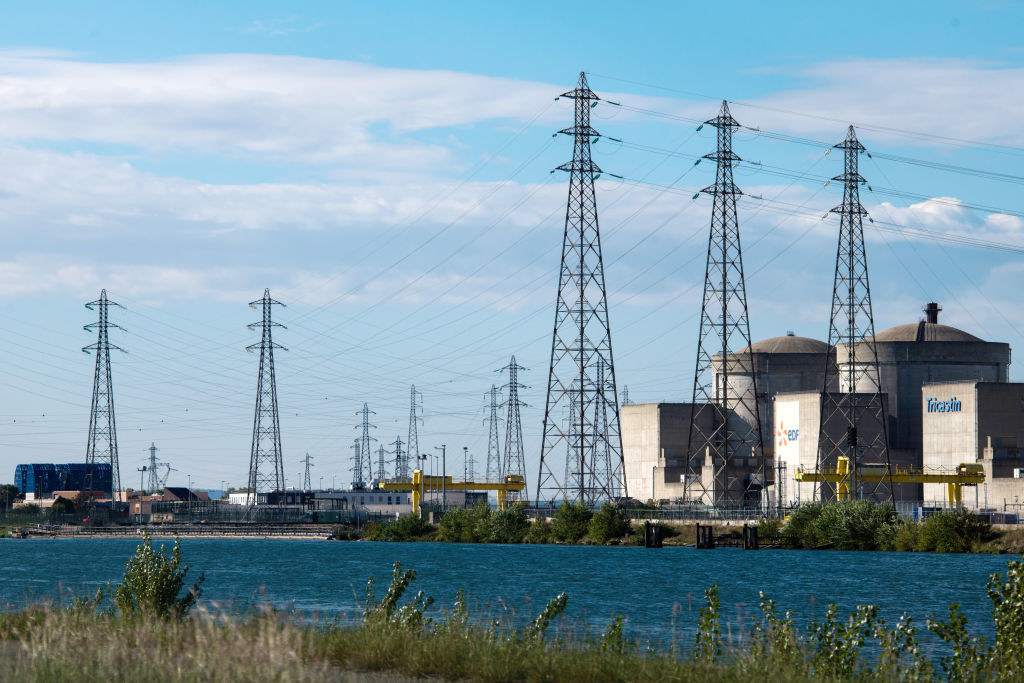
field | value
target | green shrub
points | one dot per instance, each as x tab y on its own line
538	533
152	581
466	525
405	528
799	531
570	522
608	523
508	525
952	531
62	506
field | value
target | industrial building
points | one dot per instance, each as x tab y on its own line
976	422
913	360
945	391
655	435
38	481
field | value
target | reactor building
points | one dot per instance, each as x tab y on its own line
947	398
912	358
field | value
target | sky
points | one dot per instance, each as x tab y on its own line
384	169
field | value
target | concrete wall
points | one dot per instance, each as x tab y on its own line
986	425
655	439
795	439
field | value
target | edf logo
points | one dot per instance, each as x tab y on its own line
785	436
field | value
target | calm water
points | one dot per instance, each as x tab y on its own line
659	591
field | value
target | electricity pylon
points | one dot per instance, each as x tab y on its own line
362	468
357	483
102	444
401	460
415	408
514	461
493	468
307	485
266	466
153	476
582	336
725	421
382	472
853	420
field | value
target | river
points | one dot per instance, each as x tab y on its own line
660	592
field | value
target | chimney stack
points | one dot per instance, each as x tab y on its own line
931	313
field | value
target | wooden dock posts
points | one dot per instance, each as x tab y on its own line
652	535
706	540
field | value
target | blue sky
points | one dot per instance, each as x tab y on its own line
384	169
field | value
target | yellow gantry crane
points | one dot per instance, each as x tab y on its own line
428	482
965	474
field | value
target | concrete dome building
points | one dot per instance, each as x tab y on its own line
913	354
783	364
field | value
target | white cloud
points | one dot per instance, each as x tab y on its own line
952	98
282	107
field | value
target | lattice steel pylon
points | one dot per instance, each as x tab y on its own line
853	420
362	468
493	468
401	460
266	464
307	485
514	461
356	465
582	336
725	440
415	408
102	444
152	476
382	472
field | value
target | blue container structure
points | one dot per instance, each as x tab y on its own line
37	479
41	480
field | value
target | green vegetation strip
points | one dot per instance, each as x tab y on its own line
859	525
147	627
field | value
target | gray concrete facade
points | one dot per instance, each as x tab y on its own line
976	422
912	355
655	438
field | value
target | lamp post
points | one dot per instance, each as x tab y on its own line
444	477
189	497
465	476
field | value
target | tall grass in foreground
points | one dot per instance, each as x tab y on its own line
141	629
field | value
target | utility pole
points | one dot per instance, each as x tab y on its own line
444	477
853	420
266	464
725	418
102	444
362	469
493	470
625	395
582	335
515	459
